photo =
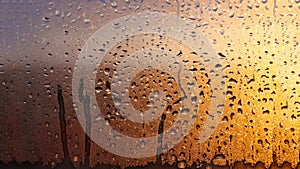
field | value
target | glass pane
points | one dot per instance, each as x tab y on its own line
131	83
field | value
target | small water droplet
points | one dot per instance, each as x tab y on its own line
156	93
194	99
106	71
118	137
75	158
87	21
231	14
172	132
112	145
140	28
192	17
57	13
181	164
98	90
114	5
185	111
117	101
116	25
133	85
46	19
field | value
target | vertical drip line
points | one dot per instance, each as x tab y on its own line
85	100
278	86
177	18
63	125
160	137
274	10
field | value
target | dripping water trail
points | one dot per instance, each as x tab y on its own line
63	126
159	150
274	10
278	62
85	100
179	84
177	13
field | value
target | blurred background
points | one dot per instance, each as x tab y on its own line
257	41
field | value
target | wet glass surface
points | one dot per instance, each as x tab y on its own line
215	83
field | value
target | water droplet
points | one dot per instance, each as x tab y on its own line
133	85
173	132
106	71
231	14
47	85
114	5
46	19
87	21
142	143
98	90
181	164
118	137
156	93
192	17
169	109
194	99
75	158
185	111
116	25
117	101
173	158
140	28
57	13
197	4
112	145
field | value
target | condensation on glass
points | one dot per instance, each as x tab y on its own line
257	42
